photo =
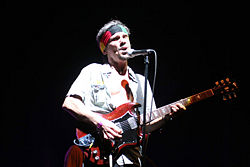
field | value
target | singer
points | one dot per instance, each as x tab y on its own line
102	89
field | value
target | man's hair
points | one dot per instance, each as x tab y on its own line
107	26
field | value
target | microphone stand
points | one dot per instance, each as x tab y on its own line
146	62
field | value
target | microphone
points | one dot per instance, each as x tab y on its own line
134	53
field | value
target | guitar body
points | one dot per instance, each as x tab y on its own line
97	150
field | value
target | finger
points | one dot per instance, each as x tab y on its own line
105	136
117	129
113	133
181	106
108	135
174	108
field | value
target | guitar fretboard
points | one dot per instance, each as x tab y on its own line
165	110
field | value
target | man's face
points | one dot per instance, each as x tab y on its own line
117	47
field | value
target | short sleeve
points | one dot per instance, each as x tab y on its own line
81	85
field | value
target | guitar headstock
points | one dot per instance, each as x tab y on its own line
227	88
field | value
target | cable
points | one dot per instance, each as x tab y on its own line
153	87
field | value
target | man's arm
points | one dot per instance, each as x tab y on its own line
81	113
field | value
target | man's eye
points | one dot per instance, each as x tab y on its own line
115	39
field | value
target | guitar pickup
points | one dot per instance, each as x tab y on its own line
132	123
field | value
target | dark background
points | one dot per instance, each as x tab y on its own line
45	45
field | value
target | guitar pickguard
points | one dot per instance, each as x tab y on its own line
129	126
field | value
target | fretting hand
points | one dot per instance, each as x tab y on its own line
176	107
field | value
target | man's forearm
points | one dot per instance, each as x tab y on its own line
79	111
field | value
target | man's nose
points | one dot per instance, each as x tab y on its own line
122	42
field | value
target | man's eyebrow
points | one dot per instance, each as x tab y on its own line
114	37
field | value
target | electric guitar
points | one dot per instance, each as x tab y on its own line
128	119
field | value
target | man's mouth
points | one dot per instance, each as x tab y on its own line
123	50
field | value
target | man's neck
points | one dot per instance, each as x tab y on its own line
121	68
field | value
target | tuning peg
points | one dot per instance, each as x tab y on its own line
217	83
224	98
234	94
235	85
227	89
227	81
222	82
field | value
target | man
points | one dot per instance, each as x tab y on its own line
101	88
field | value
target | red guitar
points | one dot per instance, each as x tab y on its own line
127	118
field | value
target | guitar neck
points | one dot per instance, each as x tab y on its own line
165	110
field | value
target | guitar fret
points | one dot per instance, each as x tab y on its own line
155	113
167	109
160	112
151	116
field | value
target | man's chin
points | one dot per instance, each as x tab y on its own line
124	57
